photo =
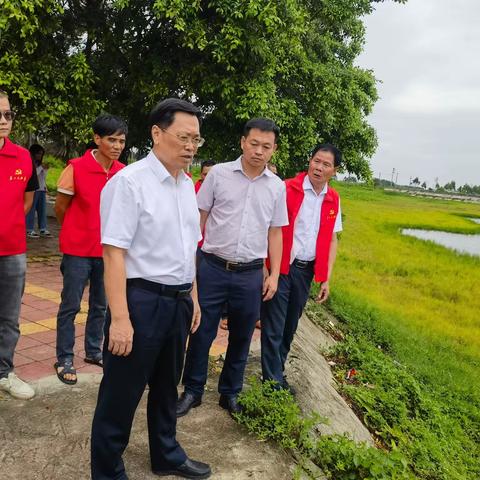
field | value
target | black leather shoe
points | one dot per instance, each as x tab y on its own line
189	469
186	402
230	403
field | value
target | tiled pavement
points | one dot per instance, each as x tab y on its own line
35	353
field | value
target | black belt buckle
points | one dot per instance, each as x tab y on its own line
302	263
229	265
183	293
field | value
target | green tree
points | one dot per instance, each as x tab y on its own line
46	74
292	60
451	186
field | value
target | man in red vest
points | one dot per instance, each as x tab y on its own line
77	208
18	182
204	169
309	251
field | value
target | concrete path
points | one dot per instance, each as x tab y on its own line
48	438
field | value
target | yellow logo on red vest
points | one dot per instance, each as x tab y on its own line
331	214
18	176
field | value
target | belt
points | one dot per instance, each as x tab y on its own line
303	263
173	291
235	266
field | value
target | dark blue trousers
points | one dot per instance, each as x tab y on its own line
242	291
77	272
161	326
280	318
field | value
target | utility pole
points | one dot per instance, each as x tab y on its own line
393	173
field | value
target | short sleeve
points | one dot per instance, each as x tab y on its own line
119	211
32	183
66	183
205	195
280	213
338	227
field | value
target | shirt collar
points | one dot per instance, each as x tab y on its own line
237	165
159	169
307	185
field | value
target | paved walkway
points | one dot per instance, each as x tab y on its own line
35	353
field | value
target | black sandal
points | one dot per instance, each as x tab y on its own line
94	361
68	369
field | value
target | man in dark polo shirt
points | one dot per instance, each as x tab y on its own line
18	182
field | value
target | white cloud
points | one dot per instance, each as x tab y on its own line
433	99
427	55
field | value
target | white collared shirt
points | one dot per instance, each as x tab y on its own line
241	210
307	223
145	211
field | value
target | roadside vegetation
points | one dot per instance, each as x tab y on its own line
409	325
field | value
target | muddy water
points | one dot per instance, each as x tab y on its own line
456	241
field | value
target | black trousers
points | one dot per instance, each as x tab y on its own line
280	318
161	326
242	291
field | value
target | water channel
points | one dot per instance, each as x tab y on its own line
459	242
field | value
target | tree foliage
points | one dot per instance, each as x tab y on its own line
291	60
48	79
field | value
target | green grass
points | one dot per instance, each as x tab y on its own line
424	297
411	310
55	167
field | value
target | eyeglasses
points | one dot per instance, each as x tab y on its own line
9	115
185	139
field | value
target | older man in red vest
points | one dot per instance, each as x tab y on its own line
309	251
77	208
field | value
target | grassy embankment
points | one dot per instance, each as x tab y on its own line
410	314
425	298
420	303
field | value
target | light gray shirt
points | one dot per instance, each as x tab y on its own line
307	223
145	211
42	178
241	211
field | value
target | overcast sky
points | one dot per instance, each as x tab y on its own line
426	54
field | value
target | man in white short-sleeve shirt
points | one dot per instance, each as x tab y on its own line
242	205
150	230
309	251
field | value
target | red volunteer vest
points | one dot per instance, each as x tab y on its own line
328	214
15	172
197	185
80	233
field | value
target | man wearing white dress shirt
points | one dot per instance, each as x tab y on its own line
242	205
150	231
309	251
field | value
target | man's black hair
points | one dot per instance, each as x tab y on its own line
206	163
109	125
36	148
263	124
163	113
328	147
